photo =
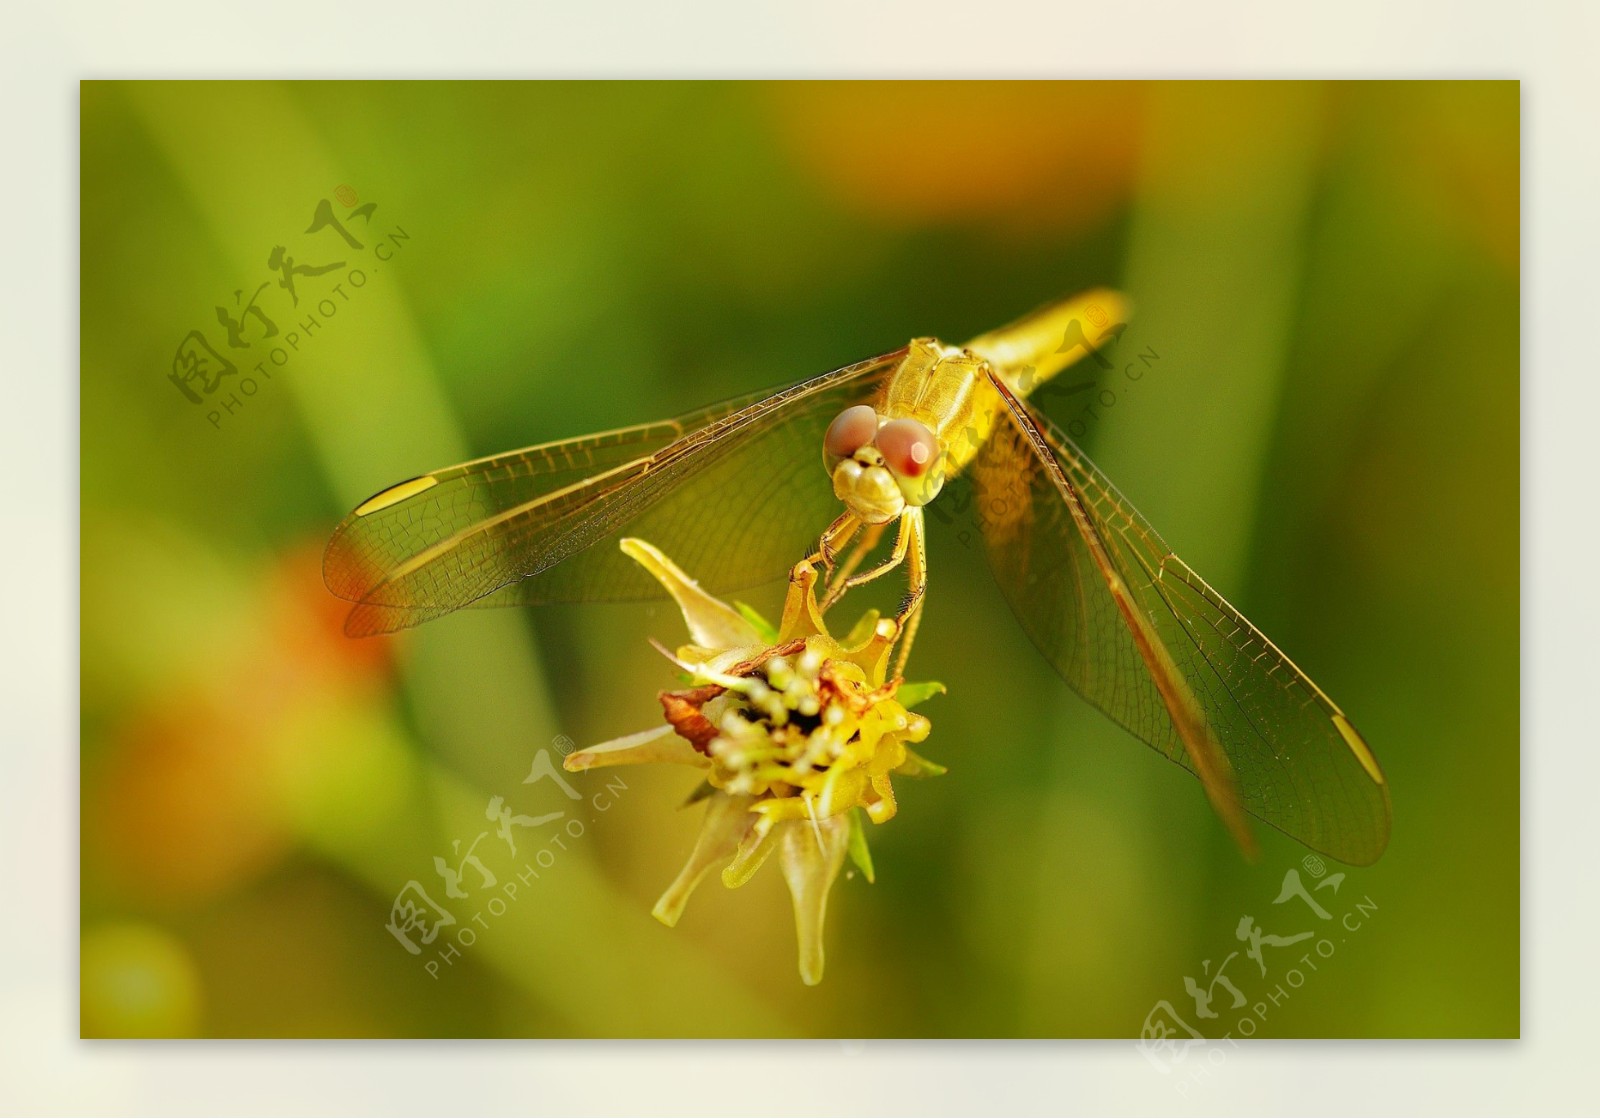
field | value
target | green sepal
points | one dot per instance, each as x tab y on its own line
768	631
916	765
909	695
701	791
858	844
862	631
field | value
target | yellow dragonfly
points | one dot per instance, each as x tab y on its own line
733	492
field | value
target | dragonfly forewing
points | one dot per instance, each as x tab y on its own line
1291	757
733	490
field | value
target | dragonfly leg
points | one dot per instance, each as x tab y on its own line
834	537
907	636
910	615
863	547
910	525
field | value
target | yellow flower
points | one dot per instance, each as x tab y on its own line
795	730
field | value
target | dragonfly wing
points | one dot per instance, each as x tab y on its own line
1142	637
735	494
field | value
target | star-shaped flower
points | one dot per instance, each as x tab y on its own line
794	729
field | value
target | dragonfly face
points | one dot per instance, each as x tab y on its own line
879	466
733	493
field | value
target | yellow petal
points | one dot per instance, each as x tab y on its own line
753	850
863	631
659	744
873	655
811	853
800	615
891	755
884	807
778	809
712	622
727	821
841	790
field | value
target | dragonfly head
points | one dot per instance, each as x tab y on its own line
880	466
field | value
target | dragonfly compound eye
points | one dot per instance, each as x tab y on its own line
851	430
908	447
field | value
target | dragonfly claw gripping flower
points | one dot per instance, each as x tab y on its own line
798	735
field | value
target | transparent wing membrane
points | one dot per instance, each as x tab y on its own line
735	492
1143	638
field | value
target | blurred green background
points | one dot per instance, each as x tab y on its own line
1328	273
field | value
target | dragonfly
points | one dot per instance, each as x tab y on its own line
734	492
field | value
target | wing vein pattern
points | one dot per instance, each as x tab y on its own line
733	492
1295	760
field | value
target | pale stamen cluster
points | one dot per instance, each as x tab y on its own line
792	720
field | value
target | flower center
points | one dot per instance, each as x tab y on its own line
785	725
